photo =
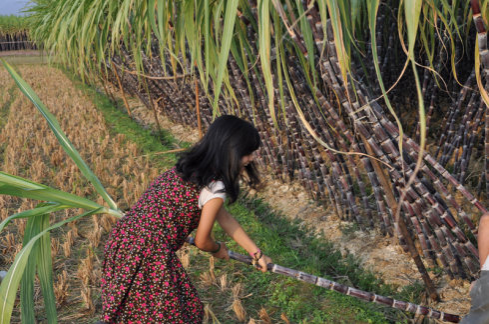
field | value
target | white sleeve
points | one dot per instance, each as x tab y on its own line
211	192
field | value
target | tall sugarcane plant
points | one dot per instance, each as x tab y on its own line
14	34
35	256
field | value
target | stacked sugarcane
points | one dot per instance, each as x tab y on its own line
14	34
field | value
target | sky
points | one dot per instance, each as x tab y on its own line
12	7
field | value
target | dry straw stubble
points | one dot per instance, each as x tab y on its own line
32	151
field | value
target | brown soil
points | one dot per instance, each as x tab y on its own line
376	252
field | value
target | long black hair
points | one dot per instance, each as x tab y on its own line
217	156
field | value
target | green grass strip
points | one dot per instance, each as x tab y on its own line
148	141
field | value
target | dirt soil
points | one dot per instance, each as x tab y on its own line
376	252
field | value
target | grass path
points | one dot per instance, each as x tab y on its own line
119	152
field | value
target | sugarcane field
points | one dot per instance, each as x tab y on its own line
347	142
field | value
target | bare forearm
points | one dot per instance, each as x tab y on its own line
208	245
235	231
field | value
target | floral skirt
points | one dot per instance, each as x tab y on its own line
143	281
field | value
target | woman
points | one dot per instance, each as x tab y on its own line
143	281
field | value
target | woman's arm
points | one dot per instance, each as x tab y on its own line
203	239
231	226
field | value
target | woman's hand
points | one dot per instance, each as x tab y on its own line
262	263
222	253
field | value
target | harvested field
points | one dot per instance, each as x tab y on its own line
30	150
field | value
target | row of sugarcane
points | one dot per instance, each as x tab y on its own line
342	115
16	41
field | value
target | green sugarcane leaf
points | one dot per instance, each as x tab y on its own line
44	267
339	41
19	187
27	282
49	208
310	44
207	39
162	19
227	36
264	41
39	259
372	9
10	284
323	12
152	18
60	135
412	11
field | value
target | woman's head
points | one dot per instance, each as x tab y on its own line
221	154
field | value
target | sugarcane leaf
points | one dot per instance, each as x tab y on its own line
480	85
309	42
422	128
373	7
207	40
227	36
48	208
19	187
10	284
39	259
162	24
60	135
192	31
323	12
339	41
44	267
152	19
449	34
264	41
412	11
27	282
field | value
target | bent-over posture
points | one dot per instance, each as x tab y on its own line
143	280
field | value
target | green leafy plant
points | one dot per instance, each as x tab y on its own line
35	255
